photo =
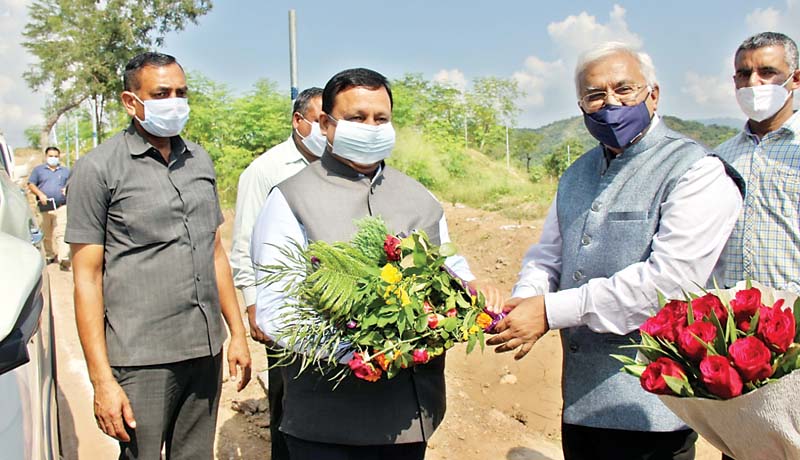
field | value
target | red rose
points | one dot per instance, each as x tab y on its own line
751	358
391	246
776	327
364	370
720	378
689	344
433	320
652	378
703	306
668	322
420	356
745	304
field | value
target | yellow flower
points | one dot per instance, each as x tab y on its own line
391	274
404	299
483	321
474	329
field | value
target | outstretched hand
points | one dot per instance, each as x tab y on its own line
523	326
494	297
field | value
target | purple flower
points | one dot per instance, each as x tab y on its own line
351	324
314	260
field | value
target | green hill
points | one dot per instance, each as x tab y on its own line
557	132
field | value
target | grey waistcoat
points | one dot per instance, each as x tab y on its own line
608	214
326	197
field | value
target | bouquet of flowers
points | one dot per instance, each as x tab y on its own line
723	362
381	303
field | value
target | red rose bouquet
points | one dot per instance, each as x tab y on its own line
724	362
380	303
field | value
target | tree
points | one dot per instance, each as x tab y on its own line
82	47
492	105
523	145
562	156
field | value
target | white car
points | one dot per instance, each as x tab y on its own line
28	409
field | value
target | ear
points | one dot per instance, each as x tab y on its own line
324	122
795	83
654	95
296	120
131	104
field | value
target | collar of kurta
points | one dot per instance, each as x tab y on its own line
138	145
337	167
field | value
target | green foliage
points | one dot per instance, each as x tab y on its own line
710	136
370	237
32	134
82	46
473	178
562	156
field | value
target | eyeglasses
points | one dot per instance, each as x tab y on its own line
625	94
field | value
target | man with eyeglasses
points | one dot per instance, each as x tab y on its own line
766	239
646	211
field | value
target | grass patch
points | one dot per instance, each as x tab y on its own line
471	178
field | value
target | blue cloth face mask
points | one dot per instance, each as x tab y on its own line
164	117
362	143
618	125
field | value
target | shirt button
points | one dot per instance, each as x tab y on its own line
194	247
595	206
577	275
186	219
586	240
573	347
197	277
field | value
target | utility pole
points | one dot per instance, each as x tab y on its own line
293	53
569	158
93	108
77	139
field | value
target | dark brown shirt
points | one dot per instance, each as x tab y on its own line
157	221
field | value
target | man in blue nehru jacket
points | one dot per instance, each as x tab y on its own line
646	211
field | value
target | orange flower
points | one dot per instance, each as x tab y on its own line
483	321
382	361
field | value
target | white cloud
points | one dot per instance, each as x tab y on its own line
715	93
550	84
576	34
785	20
19	106
454	78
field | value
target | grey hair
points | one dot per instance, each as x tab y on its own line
304	98
764	39
607	49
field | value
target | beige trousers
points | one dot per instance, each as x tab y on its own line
54	224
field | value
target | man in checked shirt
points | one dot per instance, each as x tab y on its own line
766	240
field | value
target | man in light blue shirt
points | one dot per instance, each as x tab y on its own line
766	240
48	183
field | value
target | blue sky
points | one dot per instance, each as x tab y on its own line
534	42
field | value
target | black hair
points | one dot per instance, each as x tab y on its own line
350	78
765	39
305	96
52	148
130	80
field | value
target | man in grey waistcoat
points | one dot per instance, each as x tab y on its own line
387	419
646	211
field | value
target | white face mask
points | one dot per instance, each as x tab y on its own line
762	101
316	141
164	117
53	161
362	143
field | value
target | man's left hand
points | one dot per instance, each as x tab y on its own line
525	324
239	361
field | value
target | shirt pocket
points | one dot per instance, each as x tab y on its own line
149	220
202	204
781	193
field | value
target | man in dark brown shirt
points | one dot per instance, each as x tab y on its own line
151	276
